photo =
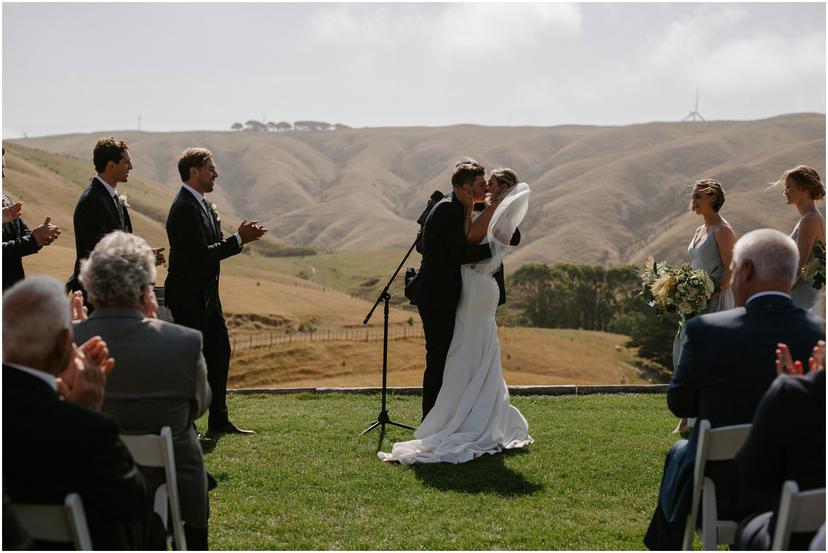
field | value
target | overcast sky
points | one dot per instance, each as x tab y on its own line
93	67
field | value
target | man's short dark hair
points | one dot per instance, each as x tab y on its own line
107	149
192	158
466	173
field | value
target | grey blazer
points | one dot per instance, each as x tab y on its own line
159	379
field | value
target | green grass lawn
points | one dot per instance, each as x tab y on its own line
307	480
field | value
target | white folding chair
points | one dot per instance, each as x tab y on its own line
151	450
720	444
798	512
57	523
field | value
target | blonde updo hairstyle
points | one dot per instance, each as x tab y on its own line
713	188
505	177
807	179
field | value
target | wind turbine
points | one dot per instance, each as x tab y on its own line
695	113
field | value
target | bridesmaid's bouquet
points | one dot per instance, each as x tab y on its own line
815	270
681	290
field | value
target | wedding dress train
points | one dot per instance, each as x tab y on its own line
472	415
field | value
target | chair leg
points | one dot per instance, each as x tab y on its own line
709	514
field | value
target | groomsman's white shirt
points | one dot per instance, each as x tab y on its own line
112	191
200	197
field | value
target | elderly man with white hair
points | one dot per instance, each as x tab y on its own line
161	378
53	447
725	367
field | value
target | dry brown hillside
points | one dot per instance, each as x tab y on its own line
601	194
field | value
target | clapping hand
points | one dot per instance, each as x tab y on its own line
817	360
786	365
46	233
77	308
84	380
250	231
11	212
159	256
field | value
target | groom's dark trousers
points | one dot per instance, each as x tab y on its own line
437	291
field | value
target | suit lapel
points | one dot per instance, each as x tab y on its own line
188	196
98	188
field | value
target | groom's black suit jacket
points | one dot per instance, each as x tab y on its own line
444	248
196	250
95	217
53	447
725	367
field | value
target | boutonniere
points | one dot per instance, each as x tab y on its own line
214	209
124	200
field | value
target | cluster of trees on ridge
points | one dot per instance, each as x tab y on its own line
283	126
592	297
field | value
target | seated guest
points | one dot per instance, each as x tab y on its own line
161	378
786	442
53	447
725	367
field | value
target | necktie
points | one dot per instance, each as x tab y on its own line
120	208
210	216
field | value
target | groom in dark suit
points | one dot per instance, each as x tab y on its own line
437	288
100	208
197	247
725	367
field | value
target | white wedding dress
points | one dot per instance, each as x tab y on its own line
472	415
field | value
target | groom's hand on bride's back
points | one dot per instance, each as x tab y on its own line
250	231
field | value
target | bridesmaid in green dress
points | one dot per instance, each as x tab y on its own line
803	188
710	249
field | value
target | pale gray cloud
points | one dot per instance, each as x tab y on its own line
89	67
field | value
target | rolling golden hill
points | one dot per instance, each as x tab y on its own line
604	195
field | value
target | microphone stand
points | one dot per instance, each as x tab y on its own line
382	418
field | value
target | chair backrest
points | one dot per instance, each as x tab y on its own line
57	523
718	444
151	450
798	512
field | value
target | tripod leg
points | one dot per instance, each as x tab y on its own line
373	425
400	425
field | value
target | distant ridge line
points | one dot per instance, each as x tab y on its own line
560	390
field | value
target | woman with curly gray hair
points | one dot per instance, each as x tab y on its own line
120	272
160	377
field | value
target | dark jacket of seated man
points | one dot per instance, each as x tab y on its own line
725	367
53	447
786	442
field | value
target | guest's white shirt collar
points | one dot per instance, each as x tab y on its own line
771	293
45	377
198	195
112	191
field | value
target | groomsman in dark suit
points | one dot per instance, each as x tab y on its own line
18	240
436	290
726	365
58	444
197	247
100	208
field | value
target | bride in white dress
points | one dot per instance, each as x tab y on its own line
472	415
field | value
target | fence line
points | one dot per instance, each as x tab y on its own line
267	339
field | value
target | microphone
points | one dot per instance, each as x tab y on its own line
436	196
